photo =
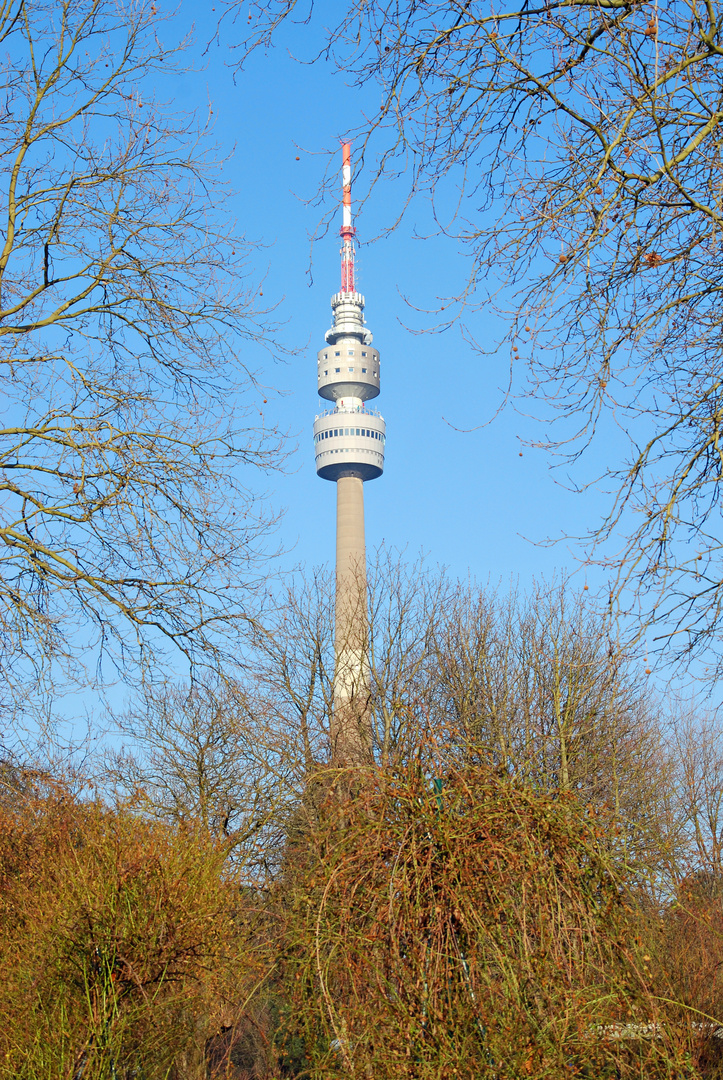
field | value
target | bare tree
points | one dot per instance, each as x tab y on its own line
532	684
129	520
698	749
585	141
202	756
537	686
408	601
241	757
291	665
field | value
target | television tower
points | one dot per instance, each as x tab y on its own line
349	447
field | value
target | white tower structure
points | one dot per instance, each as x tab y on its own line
349	445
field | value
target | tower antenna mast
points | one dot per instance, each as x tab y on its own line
347	231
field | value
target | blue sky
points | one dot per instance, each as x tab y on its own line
465	497
460	484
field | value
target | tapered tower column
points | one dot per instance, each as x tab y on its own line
349	443
351	735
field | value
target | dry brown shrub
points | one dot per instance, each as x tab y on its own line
123	944
692	952
470	927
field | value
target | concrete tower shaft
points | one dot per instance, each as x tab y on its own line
351	727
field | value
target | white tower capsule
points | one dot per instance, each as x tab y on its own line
349	442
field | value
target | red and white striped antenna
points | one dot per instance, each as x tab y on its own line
347	231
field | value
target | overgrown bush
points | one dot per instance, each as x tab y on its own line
691	951
123	944
469	927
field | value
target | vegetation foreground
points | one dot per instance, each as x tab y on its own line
459	925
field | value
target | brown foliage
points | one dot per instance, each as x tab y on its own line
474	928
121	943
692	948
450	921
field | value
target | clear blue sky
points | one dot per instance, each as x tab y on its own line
466	498
467	493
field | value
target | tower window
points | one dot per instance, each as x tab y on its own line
373	373
336	432
364	371
337	354
337	370
326	372
349	352
357	431
351	369
326	356
363	354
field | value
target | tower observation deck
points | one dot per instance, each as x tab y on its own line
349	443
349	439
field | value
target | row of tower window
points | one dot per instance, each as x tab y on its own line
347	451
351	369
349	352
350	431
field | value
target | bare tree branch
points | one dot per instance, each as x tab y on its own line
128	452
